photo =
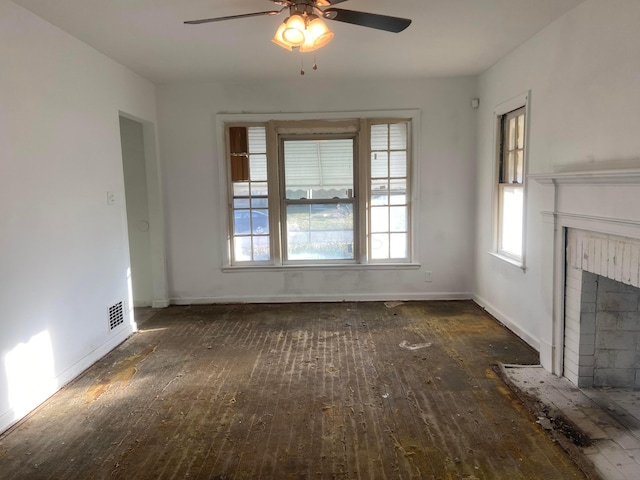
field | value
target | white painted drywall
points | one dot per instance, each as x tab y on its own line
64	252
583	72
194	210
137	206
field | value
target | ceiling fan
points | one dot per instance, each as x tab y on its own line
304	28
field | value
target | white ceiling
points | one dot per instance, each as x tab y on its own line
447	37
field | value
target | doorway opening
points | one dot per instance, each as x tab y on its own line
145	215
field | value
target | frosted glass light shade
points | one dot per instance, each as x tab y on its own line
316	35
294	32
279	40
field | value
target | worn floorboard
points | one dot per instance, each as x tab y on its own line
294	391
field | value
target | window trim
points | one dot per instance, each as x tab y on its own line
298	120
411	170
357	234
523	101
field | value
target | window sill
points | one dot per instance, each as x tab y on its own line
511	261
311	267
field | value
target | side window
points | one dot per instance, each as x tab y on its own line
249	188
389	212
511	176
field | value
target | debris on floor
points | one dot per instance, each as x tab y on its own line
416	346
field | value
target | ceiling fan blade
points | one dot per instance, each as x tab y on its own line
232	17
364	19
326	3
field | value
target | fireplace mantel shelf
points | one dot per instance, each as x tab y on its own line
600	177
602	202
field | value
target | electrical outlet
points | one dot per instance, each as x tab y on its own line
428	276
111	198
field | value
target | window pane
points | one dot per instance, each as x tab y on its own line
242	249
257	137
510	167
379	165
519	162
258	168
379	219
259	189
319	169
240	189
261	249
380	246
379	192
320	232
398	136
259	202
512	133
398	192
260	221
521	131
379	137
398	245
398	164
511	203
240	203
241	222
248	248
246	222
398	219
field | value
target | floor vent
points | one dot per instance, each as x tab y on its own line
116	315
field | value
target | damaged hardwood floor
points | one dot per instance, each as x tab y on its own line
294	391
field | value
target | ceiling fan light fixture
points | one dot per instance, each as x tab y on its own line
319	33
279	40
294	30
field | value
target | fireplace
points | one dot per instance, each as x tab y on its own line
602	310
592	335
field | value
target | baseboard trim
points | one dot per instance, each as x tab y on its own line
507	322
378	297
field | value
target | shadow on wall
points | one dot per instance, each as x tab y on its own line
28	373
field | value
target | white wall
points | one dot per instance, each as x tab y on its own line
584	75
194	209
64	252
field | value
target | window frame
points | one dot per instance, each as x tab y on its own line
342	122
502	111
284	202
410	186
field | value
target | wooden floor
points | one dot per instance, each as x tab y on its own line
294	391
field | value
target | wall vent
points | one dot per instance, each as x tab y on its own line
116	315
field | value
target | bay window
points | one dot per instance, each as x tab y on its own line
319	192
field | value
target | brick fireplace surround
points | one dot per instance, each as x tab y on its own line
602	310
593	334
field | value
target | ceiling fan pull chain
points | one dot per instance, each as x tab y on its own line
315	64
301	65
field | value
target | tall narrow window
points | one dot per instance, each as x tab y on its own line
389	211
318	198
250	209
511	184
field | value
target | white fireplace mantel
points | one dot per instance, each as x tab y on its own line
603	201
586	177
